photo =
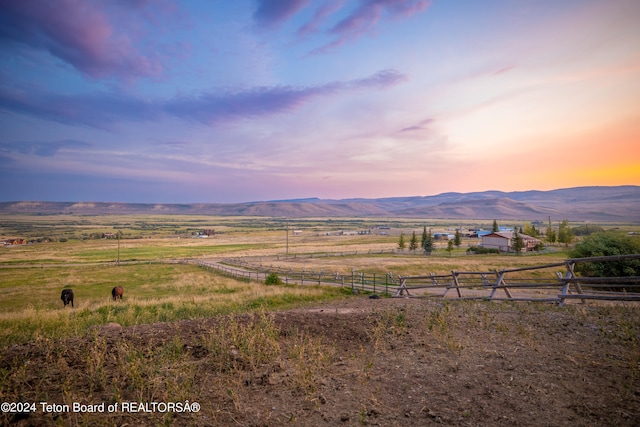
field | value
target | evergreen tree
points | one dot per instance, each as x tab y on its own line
401	244
530	230
413	243
424	236
450	247
427	245
517	243
565	235
495	227
551	233
457	240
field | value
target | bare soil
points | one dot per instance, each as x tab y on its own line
360	361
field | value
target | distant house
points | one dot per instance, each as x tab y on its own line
443	236
11	242
503	241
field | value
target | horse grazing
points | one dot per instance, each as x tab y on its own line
67	297
117	292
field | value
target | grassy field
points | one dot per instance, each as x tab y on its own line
31	305
337	360
67	252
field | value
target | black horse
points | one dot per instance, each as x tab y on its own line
67	297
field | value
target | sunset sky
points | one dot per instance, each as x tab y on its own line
235	101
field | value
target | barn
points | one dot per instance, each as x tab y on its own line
503	241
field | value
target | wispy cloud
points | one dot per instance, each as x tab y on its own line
211	108
98	110
42	149
364	18
420	126
79	33
272	13
321	14
105	109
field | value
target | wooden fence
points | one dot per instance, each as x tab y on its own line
357	281
520	284
555	283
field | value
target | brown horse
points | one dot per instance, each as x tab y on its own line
117	292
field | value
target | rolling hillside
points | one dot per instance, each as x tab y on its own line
619	203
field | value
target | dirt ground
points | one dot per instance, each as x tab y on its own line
362	361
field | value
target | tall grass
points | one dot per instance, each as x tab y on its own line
31	306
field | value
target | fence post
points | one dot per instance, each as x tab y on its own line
571	275
456	283
497	282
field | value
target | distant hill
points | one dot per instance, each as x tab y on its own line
619	203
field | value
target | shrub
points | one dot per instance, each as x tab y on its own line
586	230
482	250
273	279
607	244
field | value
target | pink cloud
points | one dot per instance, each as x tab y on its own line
77	32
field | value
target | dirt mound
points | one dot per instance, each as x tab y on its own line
361	361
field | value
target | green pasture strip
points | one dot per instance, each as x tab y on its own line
75	252
39	262
159	252
31	306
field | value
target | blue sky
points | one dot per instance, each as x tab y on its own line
219	101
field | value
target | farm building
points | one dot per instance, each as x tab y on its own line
443	236
11	242
503	241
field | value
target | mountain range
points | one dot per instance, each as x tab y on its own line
600	203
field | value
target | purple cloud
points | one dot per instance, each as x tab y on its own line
104	110
319	17
101	110
421	125
364	18
273	12
77	32
212	108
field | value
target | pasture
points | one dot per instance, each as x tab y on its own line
305	355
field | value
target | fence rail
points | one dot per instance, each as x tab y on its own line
508	284
565	286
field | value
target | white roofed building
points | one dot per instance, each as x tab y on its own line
503	241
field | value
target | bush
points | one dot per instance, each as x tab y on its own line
607	244
273	279
586	230
482	250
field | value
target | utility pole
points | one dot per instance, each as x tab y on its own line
287	229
